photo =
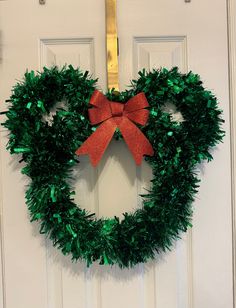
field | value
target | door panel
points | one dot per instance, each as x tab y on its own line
198	272
185	34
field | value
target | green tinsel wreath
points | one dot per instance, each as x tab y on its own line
48	150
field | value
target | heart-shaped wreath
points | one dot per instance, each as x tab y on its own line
48	150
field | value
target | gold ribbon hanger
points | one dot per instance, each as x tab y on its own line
112	45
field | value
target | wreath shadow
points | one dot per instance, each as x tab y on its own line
56	260
117	154
117	167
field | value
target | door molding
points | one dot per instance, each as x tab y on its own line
231	10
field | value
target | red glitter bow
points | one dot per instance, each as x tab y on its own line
114	115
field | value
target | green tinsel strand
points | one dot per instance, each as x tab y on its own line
167	206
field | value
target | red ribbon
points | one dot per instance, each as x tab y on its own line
114	115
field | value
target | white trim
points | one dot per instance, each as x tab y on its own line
231	7
2	263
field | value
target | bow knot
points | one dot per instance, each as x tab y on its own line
114	115
116	109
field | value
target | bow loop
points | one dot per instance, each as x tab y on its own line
101	108
137	102
139	116
114	115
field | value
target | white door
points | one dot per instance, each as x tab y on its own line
152	33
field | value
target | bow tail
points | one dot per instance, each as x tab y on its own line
97	143
137	143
